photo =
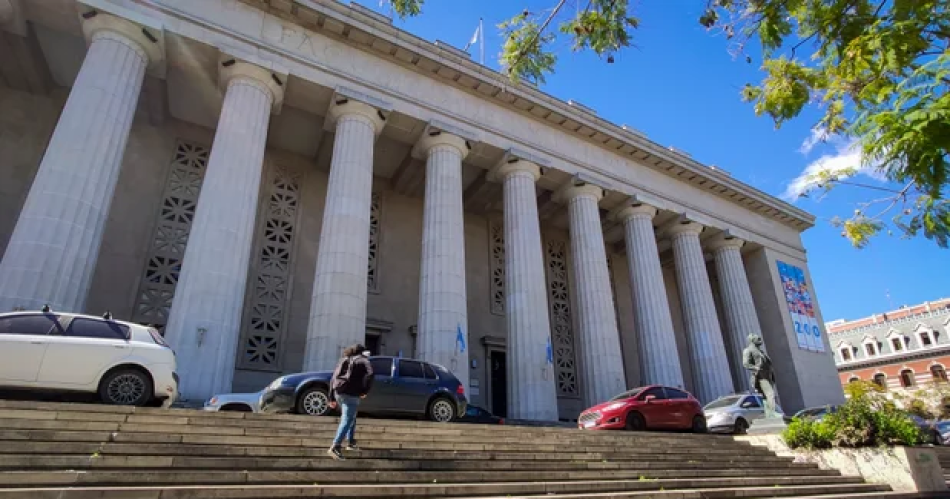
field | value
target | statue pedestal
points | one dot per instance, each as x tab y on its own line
765	426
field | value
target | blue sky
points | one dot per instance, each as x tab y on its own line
680	86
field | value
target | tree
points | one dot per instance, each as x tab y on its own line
878	69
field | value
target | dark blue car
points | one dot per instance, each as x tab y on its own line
401	387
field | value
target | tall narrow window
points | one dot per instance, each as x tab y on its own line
846	354
880	379
907	378
939	374
897	345
925	339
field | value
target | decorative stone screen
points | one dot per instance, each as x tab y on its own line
562	329
372	273
265	317
496	242
170	236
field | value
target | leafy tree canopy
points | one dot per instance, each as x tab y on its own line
879	70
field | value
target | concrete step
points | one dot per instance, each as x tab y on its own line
104	448
322	427
667	468
447	444
165	476
665	489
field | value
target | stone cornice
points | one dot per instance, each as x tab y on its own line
373	34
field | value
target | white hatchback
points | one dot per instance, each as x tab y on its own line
124	363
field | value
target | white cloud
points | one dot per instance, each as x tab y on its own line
847	156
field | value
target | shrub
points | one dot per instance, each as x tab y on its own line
865	420
917	407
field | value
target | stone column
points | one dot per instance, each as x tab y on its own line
659	356
602	363
532	393
54	247
443	307
739	309
338	303
205	319
711	375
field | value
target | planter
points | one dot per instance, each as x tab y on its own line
905	469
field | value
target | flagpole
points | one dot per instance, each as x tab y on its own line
481	35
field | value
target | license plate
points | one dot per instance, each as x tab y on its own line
588	424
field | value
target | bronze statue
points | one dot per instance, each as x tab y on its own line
762	378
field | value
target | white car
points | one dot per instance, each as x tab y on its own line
124	363
236	402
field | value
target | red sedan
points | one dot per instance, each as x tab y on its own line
646	408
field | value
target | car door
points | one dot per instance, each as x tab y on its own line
679	406
23	342
381	396
412	387
752	408
78	355
655	412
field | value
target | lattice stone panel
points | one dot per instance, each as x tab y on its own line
496	242
170	236
562	329
375	215
265	319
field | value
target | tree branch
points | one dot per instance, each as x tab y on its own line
537	36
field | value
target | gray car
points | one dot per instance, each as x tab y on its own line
234	402
734	413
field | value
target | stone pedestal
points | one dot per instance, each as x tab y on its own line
767	426
54	247
205	319
338	303
532	392
443	305
603	375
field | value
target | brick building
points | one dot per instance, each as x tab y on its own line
905	348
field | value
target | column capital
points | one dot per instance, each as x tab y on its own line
725	240
232	68
145	35
12	18
441	133
624	213
684	226
568	192
6	11
509	165
347	101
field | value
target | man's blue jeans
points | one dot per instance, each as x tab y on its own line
348	406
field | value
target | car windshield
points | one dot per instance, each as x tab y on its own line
627	394
814	411
723	402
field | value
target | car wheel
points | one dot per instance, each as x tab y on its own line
127	386
442	411
699	424
313	402
635	422
741	427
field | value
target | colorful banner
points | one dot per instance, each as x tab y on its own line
801	307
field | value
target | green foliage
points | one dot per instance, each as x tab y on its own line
524	54
406	8
918	408
866	419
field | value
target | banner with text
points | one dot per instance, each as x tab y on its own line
800	307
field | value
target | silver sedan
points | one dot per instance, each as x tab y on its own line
734	413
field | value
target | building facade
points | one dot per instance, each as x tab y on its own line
268	181
904	349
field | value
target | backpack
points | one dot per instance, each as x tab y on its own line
343	383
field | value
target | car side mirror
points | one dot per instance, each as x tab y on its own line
649	398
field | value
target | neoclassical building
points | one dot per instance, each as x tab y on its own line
268	181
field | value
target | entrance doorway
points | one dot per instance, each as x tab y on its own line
499	383
372	343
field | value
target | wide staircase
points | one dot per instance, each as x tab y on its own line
76	451
943	454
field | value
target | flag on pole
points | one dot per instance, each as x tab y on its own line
474	39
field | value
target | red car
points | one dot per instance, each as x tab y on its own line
646	408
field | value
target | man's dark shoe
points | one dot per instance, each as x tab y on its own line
352	446
335	453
